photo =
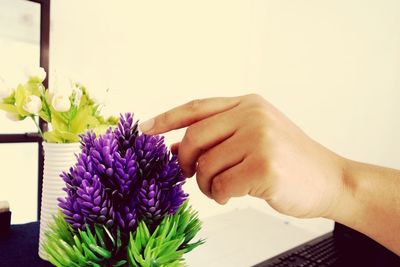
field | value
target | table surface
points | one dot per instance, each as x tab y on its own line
238	238
243	238
20	247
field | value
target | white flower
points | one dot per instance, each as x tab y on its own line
33	104
60	102
5	91
13	116
38	73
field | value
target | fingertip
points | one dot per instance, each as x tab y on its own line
188	173
219	191
223	201
204	186
148	126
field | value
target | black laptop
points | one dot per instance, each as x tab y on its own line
341	247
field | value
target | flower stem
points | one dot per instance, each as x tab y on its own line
37	125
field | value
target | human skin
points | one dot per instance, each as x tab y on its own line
243	145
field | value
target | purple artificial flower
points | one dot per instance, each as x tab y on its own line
121	178
126	132
87	141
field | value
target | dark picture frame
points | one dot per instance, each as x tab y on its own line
34	137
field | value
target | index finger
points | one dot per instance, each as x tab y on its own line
187	114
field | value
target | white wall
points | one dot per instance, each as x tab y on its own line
332	66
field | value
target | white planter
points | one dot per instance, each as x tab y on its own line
57	159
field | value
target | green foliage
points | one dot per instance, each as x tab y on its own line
163	247
67	247
65	127
167	244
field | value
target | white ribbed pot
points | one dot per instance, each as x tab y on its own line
57	159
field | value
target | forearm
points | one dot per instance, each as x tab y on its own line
371	203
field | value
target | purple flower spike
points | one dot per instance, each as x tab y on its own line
151	205
125	171
94	203
127	216
87	141
126	132
151	154
121	178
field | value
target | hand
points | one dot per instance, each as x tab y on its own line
243	145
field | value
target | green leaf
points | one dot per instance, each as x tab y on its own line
68	137
101	251
8	108
45	114
54	261
85	237
32	86
83	120
168	251
142	235
20	94
119	263
59	254
52	137
58	122
42	114
78	254
10	99
67	249
100	235
89	254
78	242
134	254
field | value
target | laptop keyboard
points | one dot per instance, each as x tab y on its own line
320	252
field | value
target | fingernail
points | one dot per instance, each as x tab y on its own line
147	125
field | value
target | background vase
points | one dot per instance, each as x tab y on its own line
57	159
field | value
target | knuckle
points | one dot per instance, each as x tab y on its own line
194	105
165	117
262	165
259	112
265	135
202	165
190	137
254	98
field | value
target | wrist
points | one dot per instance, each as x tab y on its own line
346	207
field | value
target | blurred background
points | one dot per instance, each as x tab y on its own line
333	67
